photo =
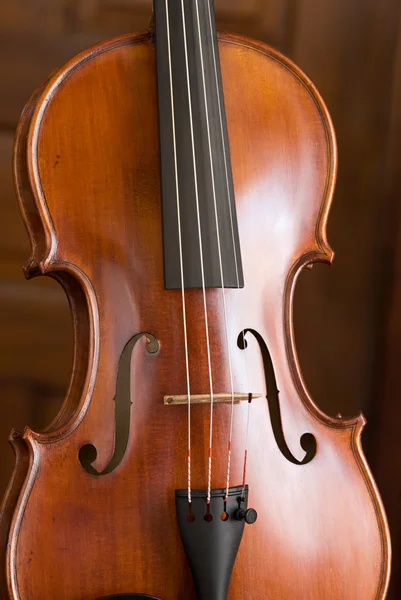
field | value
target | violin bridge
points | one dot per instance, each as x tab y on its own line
205	398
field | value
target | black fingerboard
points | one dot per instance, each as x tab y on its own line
198	204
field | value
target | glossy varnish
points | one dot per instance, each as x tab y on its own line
87	175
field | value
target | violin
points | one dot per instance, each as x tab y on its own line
175	183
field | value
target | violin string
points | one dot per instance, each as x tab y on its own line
246	438
180	248
218	247
229	195
209	362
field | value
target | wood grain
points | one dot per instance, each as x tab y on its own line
89	191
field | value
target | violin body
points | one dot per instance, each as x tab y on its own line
87	177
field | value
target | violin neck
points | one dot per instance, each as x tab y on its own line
199	215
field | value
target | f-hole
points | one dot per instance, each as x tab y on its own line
122	400
307	440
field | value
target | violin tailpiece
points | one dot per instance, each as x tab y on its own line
211	545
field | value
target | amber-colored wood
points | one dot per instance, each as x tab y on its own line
87	174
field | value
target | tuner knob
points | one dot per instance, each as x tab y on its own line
249	516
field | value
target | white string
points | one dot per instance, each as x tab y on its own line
181	257
201	255
218	246
236	268
246	440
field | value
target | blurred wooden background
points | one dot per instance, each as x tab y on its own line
347	317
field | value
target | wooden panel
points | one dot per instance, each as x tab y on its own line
35	328
112	17
384	449
236	9
21	15
19	406
15	409
34	316
340	303
13	238
35	50
26	60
